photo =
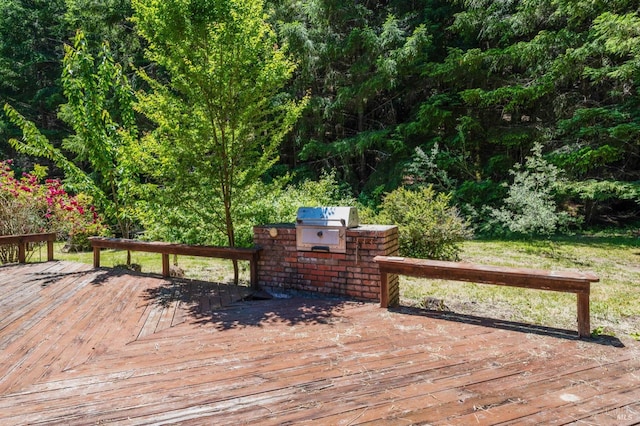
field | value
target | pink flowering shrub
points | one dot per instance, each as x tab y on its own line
27	205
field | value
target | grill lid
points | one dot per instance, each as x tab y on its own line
328	216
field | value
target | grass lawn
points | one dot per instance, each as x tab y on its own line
615	300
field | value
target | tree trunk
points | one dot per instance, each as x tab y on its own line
231	237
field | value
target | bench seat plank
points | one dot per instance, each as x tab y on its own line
238	253
565	281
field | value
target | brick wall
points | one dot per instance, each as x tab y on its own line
284	269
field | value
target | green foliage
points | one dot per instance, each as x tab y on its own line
564	72
35	144
530	208
618	199
602	190
264	203
99	110
620	36
604	137
221	116
476	198
279	204
425	168
31	35
105	21
482	80
358	60
30	54
429	227
28	205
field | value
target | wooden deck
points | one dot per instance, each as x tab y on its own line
85	346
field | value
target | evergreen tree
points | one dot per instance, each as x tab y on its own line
530	208
32	34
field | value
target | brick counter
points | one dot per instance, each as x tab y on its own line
284	269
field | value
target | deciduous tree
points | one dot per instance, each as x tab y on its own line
220	116
100	111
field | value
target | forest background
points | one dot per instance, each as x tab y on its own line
495	104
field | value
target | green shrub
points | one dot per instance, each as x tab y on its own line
261	203
603	201
326	191
29	206
429	226
530	208
277	203
476	198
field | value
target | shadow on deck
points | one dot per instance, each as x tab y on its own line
519	327
80	346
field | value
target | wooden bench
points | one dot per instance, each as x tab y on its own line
166	249
23	239
563	281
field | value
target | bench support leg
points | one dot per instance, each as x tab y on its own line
96	257
165	265
584	326
50	250
22	252
253	267
384	290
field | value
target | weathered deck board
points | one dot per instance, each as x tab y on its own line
104	346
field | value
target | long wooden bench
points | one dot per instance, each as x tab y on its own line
166	249
23	239
563	281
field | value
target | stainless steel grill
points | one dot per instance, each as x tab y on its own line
324	228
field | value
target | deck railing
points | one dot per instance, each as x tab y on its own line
166	249
23	239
